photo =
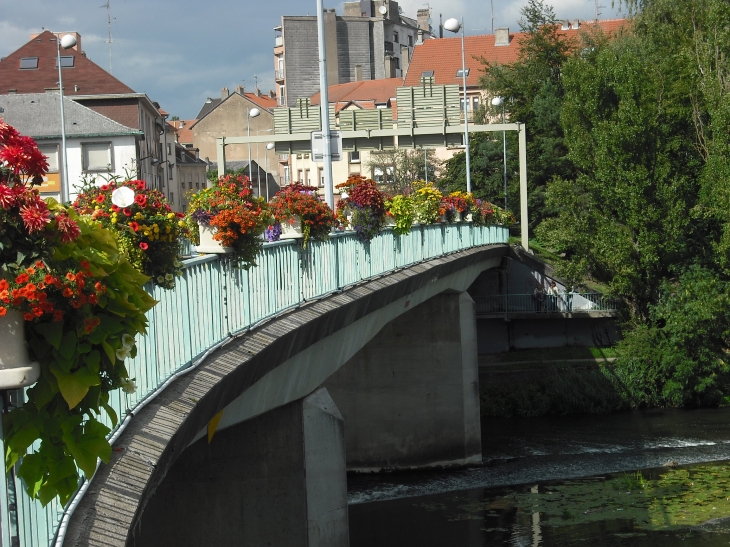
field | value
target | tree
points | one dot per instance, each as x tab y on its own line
397	168
533	92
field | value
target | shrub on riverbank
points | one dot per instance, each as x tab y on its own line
555	389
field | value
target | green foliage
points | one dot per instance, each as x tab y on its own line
401	166
402	209
679	357
82	361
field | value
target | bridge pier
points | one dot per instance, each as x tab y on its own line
410	396
277	479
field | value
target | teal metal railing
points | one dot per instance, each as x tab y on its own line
527	303
213	301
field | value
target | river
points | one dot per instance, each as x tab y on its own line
562	481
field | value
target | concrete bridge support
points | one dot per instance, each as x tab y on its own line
410	397
277	479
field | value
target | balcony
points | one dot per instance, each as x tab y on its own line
279	75
278	41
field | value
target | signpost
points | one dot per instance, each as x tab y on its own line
318	145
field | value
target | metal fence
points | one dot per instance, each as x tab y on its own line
214	300
568	302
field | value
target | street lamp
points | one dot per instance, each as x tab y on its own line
250	113
453	25
269	146
68	41
497	101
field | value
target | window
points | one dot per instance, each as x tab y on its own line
307	179
182	183
395	37
282	95
67	61
172	197
355	157
320	176
286	174
460	73
28	63
299	175
410	40
51	152
396	62
97	156
475	102
168	149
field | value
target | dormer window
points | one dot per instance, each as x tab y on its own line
27	63
67	61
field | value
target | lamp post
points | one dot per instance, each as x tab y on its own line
269	146
497	101
324	105
453	25
68	41
250	113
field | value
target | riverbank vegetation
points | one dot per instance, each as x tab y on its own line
629	174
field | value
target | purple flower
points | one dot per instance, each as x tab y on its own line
202	217
273	232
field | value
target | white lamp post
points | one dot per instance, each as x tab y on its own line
68	41
269	146
453	25
250	113
497	101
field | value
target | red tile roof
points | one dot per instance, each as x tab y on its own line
377	91
443	55
183	130
84	78
264	101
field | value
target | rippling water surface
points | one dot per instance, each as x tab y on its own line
533	455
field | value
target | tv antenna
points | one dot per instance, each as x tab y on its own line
598	9
109	30
492	16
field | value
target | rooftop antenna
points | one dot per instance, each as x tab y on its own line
598	10
492	16
109	29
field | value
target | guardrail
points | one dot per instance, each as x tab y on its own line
569	302
214	301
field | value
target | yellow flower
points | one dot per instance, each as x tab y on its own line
181	223
170	215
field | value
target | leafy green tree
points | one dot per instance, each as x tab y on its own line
533	92
399	167
679	357
625	219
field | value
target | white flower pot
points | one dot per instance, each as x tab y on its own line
389	220
443	218
209	245
457	216
16	368
469	218
292	228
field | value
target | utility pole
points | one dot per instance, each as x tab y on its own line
325	106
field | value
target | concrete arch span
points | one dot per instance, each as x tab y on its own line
277	369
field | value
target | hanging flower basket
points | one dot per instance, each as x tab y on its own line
292	228
16	368
208	244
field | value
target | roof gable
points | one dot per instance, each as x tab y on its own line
84	78
377	91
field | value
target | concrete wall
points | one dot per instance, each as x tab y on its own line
410	397
278	479
498	335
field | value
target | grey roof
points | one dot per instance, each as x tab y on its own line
38	115
207	107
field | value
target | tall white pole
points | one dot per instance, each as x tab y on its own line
65	194
504	160
466	111
325	104
248	130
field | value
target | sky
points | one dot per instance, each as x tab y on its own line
179	53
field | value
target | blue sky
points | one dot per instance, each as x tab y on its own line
181	52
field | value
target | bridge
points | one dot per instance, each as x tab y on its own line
259	388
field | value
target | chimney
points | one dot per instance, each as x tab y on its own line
389	67
575	24
239	89
224	93
182	124
423	15
419	39
565	25
358	73
501	37
405	60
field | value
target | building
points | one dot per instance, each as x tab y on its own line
97	147
228	116
190	172
442	58
32	69
182	131
372	40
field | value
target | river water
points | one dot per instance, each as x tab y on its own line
562	481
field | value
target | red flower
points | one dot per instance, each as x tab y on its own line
104	187
100	198
85	264
127	212
22	278
7	198
57	316
28	316
143	246
3	311
35	216
68	228
141	200
134	226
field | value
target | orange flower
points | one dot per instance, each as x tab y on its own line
28	316
3	311
70	276
67	292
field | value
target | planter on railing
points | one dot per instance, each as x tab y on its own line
16	368
209	245
292	228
